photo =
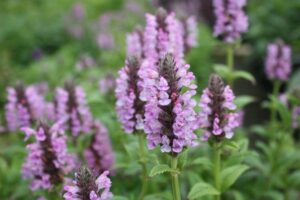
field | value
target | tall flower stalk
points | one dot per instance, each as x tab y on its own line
218	119
130	110
48	160
231	22
277	68
169	111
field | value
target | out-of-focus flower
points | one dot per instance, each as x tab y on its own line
78	12
163	34
130	108
24	106
84	62
283	98
37	54
296	117
278	61
191	33
218	117
99	155
107	84
134	43
70	104
231	21
105	40
48	160
87	187
170	119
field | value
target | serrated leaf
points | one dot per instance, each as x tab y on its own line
202	189
244	75
243	100
159	169
231	174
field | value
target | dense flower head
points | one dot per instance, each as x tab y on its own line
48	160
70	104
231	20
278	61
217	116
163	34
134	43
99	154
130	108
107	84
87	187
24	106
190	33
169	112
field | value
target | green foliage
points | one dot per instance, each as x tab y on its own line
231	174
202	189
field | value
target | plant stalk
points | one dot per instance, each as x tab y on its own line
217	169
275	95
174	178
230	64
143	164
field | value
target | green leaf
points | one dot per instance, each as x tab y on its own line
222	70
202	189
231	174
182	159
231	144
202	161
294	179
243	100
244	75
159	169
119	198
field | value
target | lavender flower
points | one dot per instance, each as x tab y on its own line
191	33
163	34
278	61
47	161
87	187
218	117
24	106
134	43
70	103
169	112
99	155
107	84
84	62
130	108
231	20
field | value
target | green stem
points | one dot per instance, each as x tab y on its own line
217	169
143	161
174	178
275	95
230	63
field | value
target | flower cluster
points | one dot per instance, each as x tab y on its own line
163	34
278	61
169	112
130	108
99	155
47	161
231	20
24	106
87	187
107	84
217	116
70	104
190	33
134	43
